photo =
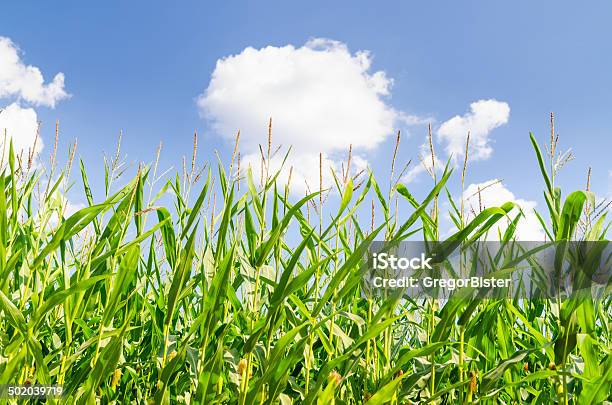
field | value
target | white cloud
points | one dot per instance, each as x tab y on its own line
25	81
483	117
413	173
21	125
24	84
322	98
493	194
424	164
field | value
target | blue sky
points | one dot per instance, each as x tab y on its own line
140	67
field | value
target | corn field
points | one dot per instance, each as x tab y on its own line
216	285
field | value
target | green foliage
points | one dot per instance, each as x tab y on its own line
253	301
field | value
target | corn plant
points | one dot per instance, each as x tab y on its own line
218	288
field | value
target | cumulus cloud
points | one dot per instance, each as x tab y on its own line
24	84
493	194
483	117
424	165
21	125
25	81
321	96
